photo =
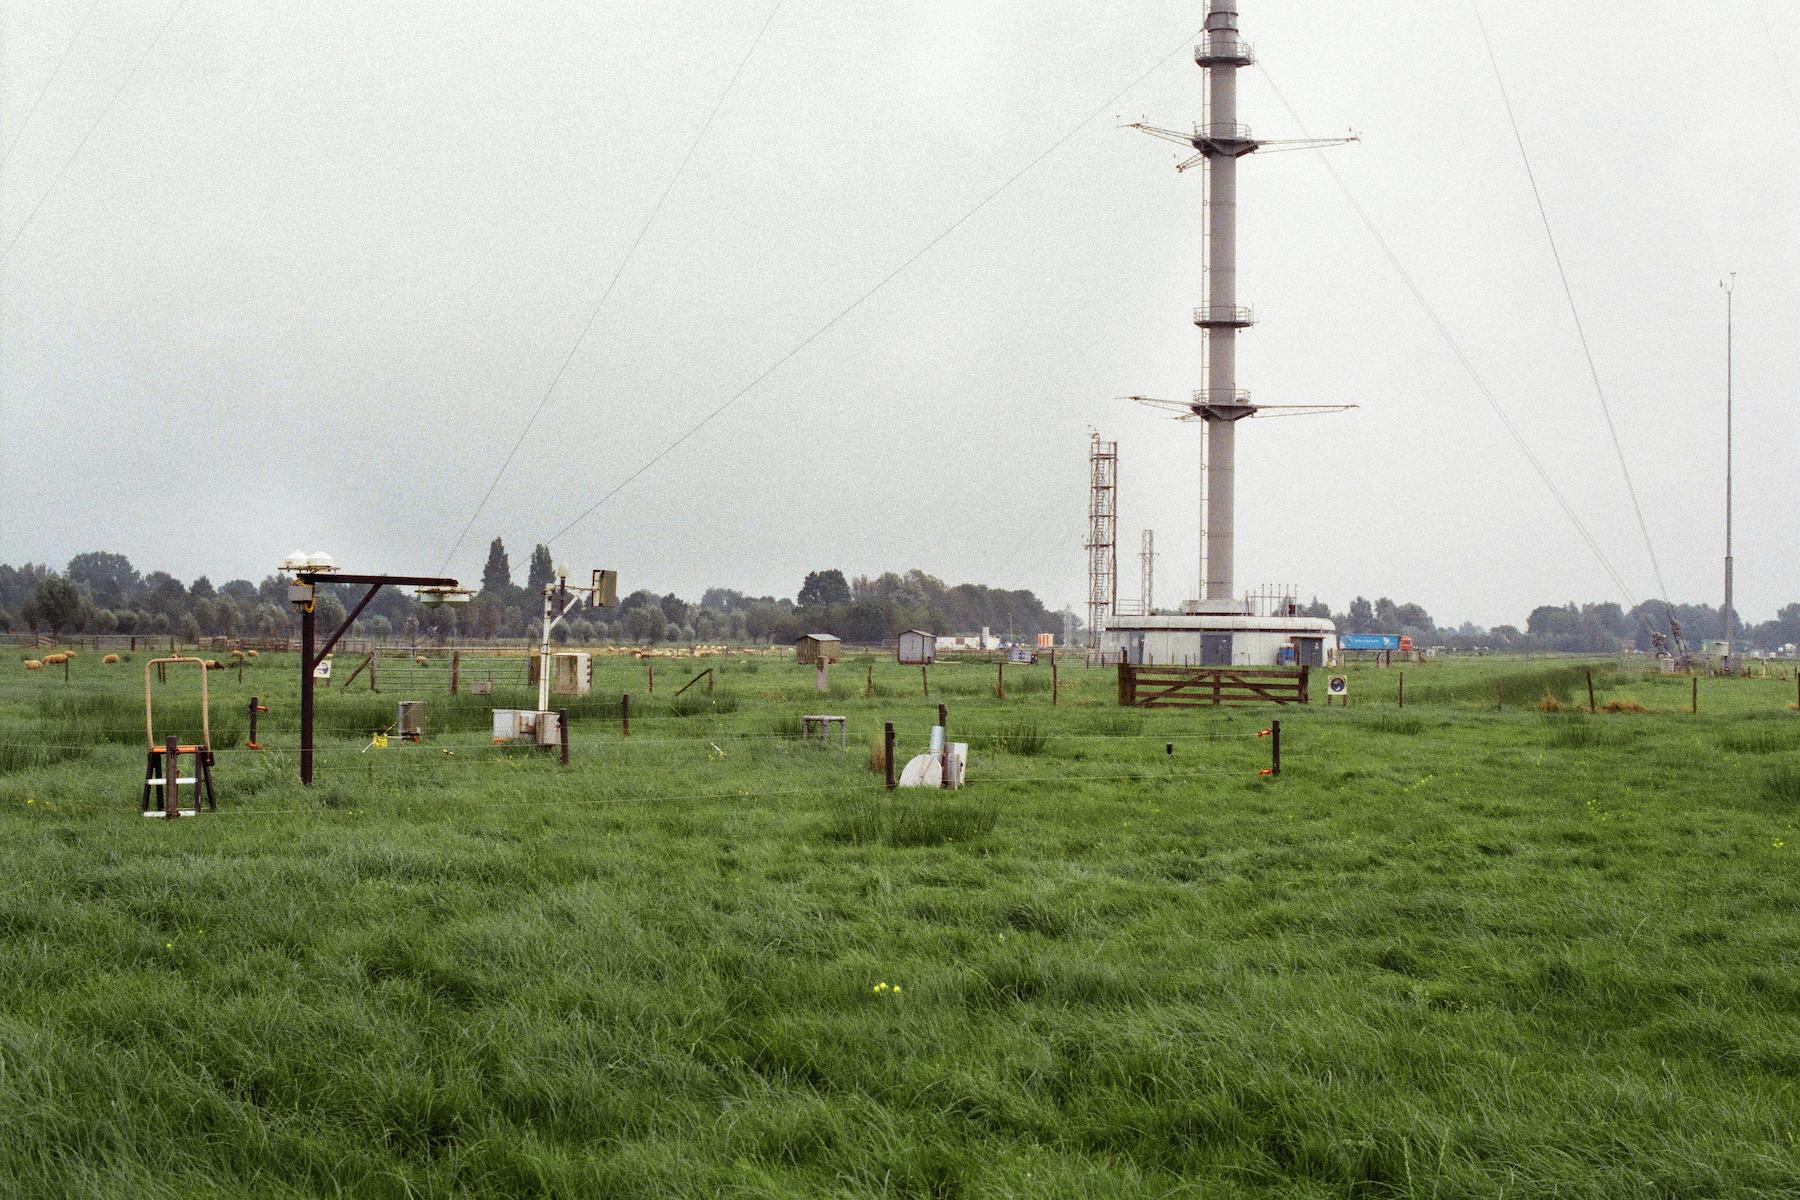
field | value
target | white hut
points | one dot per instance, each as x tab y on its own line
917	648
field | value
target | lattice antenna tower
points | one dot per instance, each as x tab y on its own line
1147	569
1103	534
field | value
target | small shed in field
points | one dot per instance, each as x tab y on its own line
817	648
917	647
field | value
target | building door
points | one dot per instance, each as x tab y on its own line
1137	649
1309	652
1215	649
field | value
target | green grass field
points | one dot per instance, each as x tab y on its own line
1449	952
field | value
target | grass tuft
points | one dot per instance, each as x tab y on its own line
1027	740
1782	786
915	817
1624	704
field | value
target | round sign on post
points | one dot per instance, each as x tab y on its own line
1339	687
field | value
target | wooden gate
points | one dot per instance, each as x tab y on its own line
1209	687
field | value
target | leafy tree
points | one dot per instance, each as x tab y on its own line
823	588
725	600
241	590
109	578
675	608
202	587
646	624
163	593
497	574
1360	618
541	573
57	603
328	614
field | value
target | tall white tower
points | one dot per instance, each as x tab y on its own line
1220	141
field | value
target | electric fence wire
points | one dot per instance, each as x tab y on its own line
918	254
581	337
104	110
1781	69
567	803
25	121
1481	386
1587	351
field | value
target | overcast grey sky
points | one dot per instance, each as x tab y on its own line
308	277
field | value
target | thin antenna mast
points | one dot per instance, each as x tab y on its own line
1730	286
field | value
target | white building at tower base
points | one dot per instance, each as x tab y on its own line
1233	637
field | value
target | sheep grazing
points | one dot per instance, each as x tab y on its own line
421	660
32	664
213	664
55	660
249	654
111	660
237	654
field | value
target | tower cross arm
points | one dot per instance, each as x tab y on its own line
1277	145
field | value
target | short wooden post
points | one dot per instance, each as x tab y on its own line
171	787
1590	681
887	753
651	668
1499	697
1694	708
1053	679
869	687
925	678
625	715
1274	747
562	724
65	670
455	671
374	659
1403	689
240	670
1000	680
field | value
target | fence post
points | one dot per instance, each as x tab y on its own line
869	687
1000	680
651	668
1499	697
171	788
65	670
1052	677
1403	689
1695	709
1274	747
455	671
562	722
925	678
625	714
887	754
1590	681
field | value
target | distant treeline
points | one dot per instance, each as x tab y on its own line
100	592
